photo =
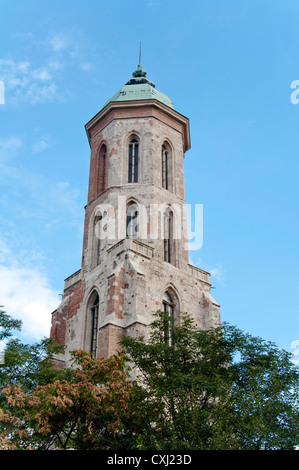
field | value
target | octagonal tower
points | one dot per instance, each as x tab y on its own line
135	257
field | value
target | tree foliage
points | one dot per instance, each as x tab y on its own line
28	364
93	409
85	406
216	389
213	389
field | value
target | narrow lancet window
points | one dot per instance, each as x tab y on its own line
169	255
165	167
94	326
97	241
92	321
168	307
132	221
102	169
133	161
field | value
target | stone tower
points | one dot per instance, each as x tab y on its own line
135	257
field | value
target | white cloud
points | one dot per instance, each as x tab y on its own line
218	273
9	147
68	45
153	5
59	42
41	196
63	195
43	74
38	80
41	145
25	82
26	294
86	66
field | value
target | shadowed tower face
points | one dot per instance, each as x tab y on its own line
135	257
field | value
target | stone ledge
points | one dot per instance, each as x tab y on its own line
199	273
72	279
130	244
121	323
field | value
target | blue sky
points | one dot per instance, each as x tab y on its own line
228	66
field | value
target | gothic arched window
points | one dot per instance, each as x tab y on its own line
169	249
165	166
132	221
133	160
92	321
102	169
169	303
97	228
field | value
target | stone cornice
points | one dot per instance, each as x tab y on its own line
135	108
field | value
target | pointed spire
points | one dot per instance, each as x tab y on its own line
139	76
139	64
139	87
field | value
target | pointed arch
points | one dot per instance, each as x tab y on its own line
102	174
97	224
94	238
167	166
132	222
170	305
133	159
91	323
169	251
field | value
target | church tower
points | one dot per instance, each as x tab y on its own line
135	257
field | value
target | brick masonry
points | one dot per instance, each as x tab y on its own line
132	276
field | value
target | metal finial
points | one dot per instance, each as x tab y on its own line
140	53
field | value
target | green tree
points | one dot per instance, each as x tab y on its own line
25	364
7	325
91	405
215	389
97	407
194	389
264	392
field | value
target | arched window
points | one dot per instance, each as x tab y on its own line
92	321
169	252
97	241
169	304
132	221
102	169
133	160
166	166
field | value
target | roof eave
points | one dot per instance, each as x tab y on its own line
137	104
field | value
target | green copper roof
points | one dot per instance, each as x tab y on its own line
140	88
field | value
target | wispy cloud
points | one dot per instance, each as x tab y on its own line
33	195
38	79
153	5
59	42
9	147
41	145
35	206
218	273
26	83
86	66
26	293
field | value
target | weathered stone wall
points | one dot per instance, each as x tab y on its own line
132	275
